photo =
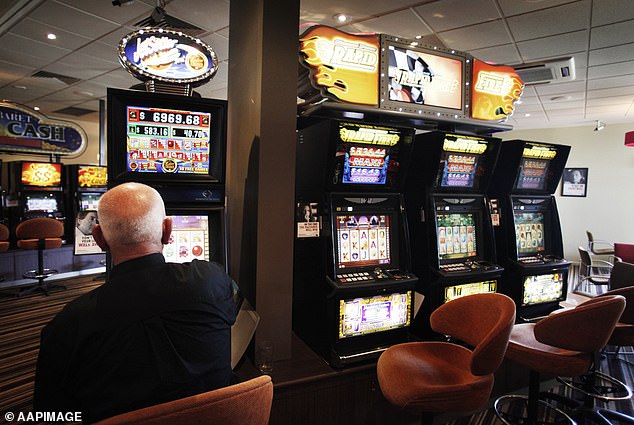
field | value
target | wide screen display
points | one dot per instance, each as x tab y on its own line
41	174
45	202
89	201
457	291
423	78
168	141
92	176
456	236
529	232
362	240
189	239
532	174
543	288
361	316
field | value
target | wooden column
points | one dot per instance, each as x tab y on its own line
261	160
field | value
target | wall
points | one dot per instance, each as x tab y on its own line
607	209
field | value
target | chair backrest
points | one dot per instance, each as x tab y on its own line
39	228
622	275
483	321
590	238
244	403
584	261
628	293
4	232
625	251
585	328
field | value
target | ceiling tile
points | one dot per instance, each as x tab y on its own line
38	31
449	14
401	24
610	91
476	36
503	55
547	90
612	54
63	16
611	11
612	35
515	7
544	23
10	71
211	15
219	44
602	83
611	70
555	46
45	53
119	14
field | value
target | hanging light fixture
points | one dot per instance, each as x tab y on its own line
629	138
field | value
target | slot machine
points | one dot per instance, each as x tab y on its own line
34	190
528	236
177	145
353	291
85	185
453	245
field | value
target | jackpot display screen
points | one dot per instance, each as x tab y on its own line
41	174
168	140
532	174
362	240
41	202
457	291
460	161
542	289
366	315
92	176
456	236
529	232
189	239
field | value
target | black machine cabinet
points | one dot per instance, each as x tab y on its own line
453	246
85	184
529	238
353	290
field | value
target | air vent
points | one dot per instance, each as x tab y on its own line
74	111
160	19
558	70
63	78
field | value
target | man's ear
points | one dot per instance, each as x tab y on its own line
167	230
97	234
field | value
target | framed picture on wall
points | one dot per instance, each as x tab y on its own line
575	182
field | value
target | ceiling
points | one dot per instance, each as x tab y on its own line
597	33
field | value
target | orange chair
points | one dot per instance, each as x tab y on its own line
4	242
431	377
39	234
566	343
244	403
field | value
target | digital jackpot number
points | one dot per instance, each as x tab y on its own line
169	117
151	130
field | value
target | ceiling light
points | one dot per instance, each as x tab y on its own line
19	86
600	126
340	17
527	115
418	37
51	36
37	108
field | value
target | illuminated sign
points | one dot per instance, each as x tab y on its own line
23	130
467	144
92	176
342	66
495	90
368	134
41	174
168	56
539	151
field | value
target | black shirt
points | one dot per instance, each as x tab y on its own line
154	332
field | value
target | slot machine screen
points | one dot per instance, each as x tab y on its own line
457	291
41	174
457	236
89	201
543	288
362	240
89	176
458	170
365	165
367	315
532	174
165	138
529	233
189	239
41	202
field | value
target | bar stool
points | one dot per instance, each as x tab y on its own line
39	234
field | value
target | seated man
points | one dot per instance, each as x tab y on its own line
153	332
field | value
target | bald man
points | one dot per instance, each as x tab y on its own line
152	333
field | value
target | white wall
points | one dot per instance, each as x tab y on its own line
608	209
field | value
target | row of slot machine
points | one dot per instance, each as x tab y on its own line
384	213
68	193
